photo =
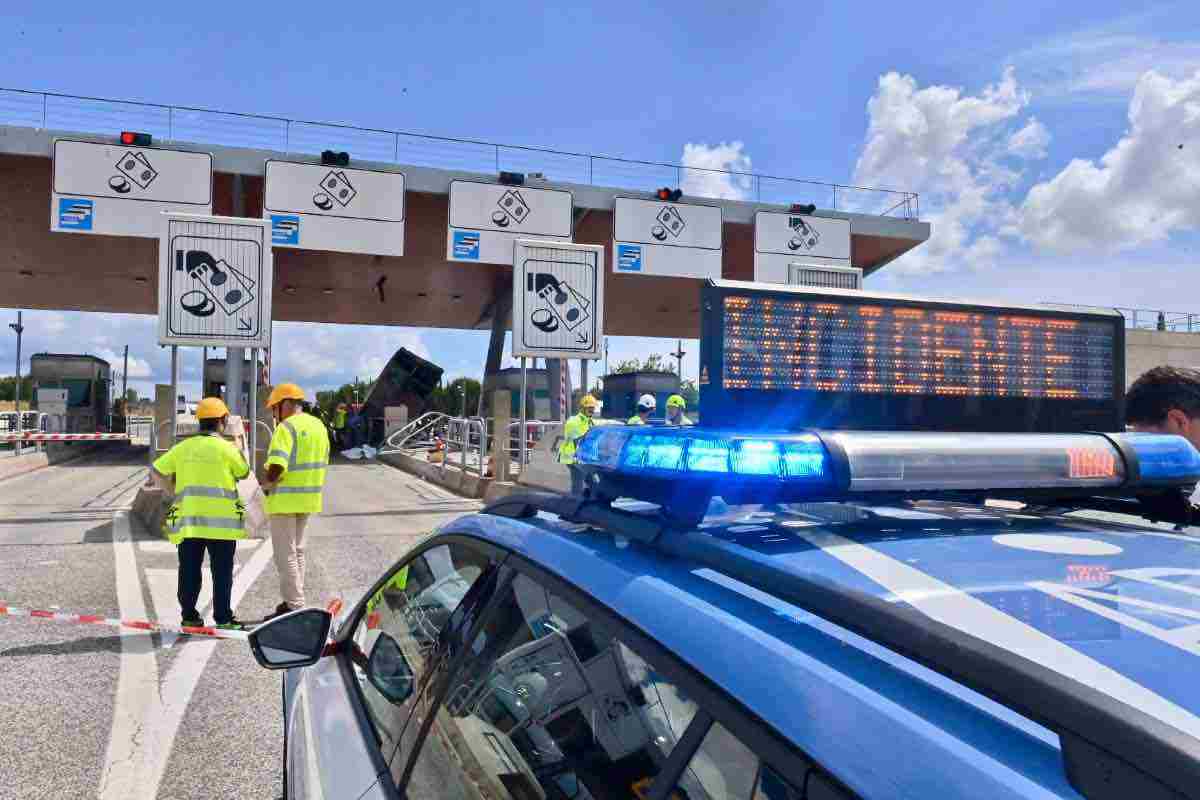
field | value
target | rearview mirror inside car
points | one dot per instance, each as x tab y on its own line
388	670
296	639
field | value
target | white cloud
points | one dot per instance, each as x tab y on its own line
138	367
1030	141
949	146
321	355
1104	62
1144	188
698	181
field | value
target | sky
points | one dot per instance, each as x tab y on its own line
1056	149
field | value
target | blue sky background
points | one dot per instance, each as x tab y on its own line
1044	140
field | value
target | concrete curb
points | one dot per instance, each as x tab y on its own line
12	466
452	478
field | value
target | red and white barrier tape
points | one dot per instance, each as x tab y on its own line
333	607
64	437
137	624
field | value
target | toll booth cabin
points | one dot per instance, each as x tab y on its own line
622	390
537	398
215	381
88	383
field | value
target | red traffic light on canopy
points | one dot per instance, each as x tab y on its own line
133	139
672	195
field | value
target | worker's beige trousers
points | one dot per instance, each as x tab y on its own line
287	538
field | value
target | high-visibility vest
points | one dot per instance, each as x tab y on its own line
300	446
339	420
635	420
206	506
573	430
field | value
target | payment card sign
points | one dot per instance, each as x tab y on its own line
466	245
75	213
629	258
285	229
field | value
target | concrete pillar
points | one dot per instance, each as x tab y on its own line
164	411
234	358
501	316
501	411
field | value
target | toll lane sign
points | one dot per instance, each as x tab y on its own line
214	281
651	237
122	190
487	218
340	209
558	299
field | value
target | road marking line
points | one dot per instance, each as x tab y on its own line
164	584
147	716
137	682
180	682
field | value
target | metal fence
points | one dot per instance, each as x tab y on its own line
62	112
1151	319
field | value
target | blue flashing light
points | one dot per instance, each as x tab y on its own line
684	451
708	455
757	457
1164	457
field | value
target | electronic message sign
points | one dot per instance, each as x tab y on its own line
796	358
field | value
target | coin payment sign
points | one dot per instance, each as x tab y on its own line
214	282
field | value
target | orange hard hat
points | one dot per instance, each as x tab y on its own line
284	391
211	408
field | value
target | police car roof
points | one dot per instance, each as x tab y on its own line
1094	601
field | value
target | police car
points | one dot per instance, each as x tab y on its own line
731	613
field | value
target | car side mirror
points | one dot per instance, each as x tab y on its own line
296	639
388	670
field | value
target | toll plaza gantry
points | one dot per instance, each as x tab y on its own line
427	264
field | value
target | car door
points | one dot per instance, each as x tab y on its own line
558	700
351	713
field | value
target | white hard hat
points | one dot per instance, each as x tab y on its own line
647	401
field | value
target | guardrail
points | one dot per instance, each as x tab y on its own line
172	123
1149	319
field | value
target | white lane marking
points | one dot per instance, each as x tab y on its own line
137	682
164	585
147	716
951	606
1060	545
181	680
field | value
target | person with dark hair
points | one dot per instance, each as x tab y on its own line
1166	400
206	514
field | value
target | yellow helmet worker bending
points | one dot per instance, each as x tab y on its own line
206	514
573	430
675	408
296	462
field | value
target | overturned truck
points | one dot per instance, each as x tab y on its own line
406	380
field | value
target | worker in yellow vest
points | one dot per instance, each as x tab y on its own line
339	425
645	407
573	430
202	472
296	462
676	405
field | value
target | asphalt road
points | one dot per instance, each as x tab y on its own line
89	711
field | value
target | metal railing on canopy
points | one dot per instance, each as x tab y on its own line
174	123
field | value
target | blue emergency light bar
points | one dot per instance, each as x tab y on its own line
640	461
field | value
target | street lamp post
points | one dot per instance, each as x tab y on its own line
19	328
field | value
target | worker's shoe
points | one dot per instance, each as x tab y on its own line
232	625
193	622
